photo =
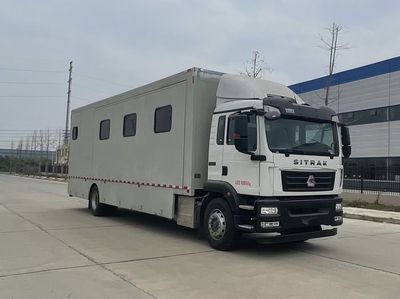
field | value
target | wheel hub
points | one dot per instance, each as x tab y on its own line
217	224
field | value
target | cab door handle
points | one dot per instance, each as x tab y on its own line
224	170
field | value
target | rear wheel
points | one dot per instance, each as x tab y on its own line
97	208
219	226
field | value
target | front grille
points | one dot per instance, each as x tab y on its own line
307	181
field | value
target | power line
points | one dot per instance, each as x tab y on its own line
30	70
33	83
21	134
54	129
92	89
103	80
2	131
82	99
25	137
22	98
30	96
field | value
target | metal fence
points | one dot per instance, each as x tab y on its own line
373	179
54	170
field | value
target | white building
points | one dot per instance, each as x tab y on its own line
367	99
61	156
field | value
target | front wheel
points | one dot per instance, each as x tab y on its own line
219	226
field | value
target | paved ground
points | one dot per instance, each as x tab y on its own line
374	215
51	247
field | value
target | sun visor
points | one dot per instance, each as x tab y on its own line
303	111
241	87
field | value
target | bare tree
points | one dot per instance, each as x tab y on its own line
20	147
11	154
331	43
256	66
27	144
41	142
59	138
34	143
19	155
47	144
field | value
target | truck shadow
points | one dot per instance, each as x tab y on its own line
156	226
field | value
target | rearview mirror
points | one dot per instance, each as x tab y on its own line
346	150
345	135
241	133
346	144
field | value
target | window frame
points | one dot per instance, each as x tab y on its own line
366	116
394	112
230	132
221	130
124	133
75	132
155	120
109	129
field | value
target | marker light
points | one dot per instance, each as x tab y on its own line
269	210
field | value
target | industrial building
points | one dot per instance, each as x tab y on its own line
367	99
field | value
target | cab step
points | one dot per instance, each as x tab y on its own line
246	227
246	207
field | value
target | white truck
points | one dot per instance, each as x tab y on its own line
225	154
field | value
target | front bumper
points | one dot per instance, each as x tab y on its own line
296	215
293	237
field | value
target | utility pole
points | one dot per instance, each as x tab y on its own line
68	102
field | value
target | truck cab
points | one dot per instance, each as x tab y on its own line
276	162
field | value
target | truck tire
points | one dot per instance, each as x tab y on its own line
219	226
97	208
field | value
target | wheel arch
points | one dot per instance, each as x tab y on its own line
222	190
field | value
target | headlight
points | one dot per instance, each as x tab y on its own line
338	207
269	211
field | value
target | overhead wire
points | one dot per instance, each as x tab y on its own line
102	80
31	83
30	70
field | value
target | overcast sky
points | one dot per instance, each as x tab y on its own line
119	45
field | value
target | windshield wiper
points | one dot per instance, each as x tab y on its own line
288	151
331	154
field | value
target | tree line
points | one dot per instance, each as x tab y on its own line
32	154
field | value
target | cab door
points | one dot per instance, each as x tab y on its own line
216	149
238	169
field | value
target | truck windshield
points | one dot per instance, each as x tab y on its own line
295	136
